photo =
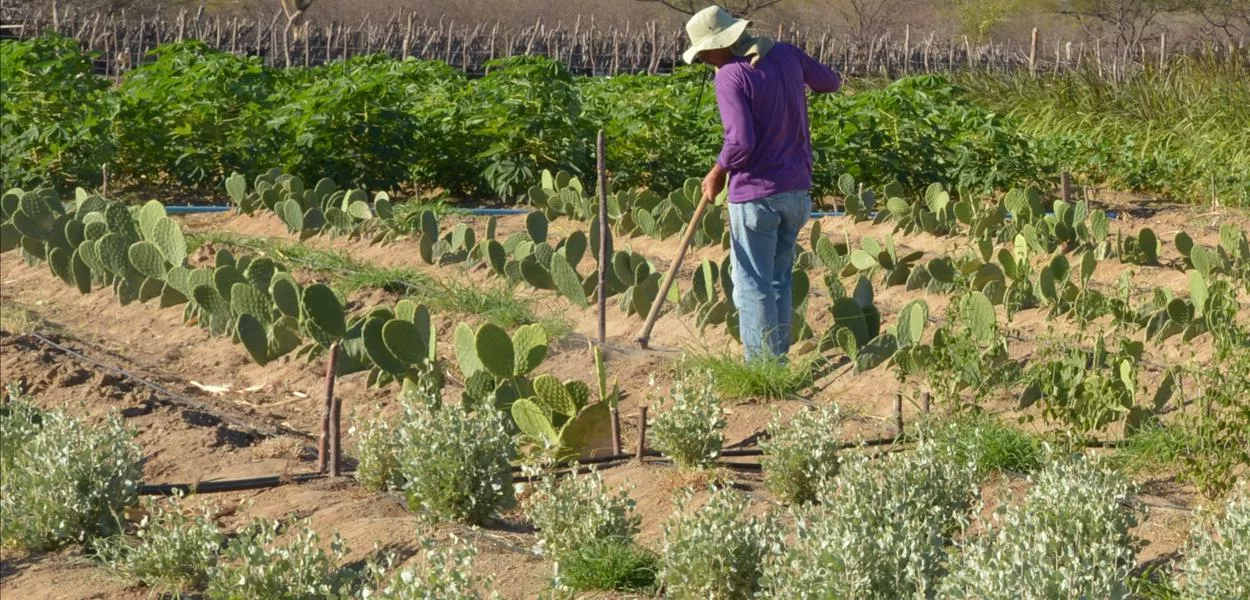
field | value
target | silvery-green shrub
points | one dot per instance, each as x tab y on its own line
1217	561
64	480
257	563
801	453
172	549
691	431
446	574
377	467
882	528
1067	538
455	462
717	551
576	511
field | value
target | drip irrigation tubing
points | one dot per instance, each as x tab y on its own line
499	212
165	392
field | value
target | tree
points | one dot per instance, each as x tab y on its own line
1126	22
740	8
1232	17
977	17
868	19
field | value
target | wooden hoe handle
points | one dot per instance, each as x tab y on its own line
645	336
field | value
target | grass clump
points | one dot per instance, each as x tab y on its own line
763	379
801	454
172	551
1068	538
63	480
610	564
494	303
691	432
993	445
716	551
882	528
1217	563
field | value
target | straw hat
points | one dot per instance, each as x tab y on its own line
712	28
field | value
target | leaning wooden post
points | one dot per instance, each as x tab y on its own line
926	400
642	432
324	451
605	233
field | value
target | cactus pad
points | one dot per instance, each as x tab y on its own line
324	310
59	263
536	227
494	350
211	302
978	315
534	422
113	251
80	272
568	282
466	350
552	397
245	299
376	349
148	216
406	341
251	334
147	260
536	275
529	342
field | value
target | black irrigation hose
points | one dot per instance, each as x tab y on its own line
562	468
227	485
177	399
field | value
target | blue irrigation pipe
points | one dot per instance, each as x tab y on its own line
498	212
190	210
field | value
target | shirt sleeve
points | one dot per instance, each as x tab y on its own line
735	114
820	78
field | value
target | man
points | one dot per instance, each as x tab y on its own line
767	156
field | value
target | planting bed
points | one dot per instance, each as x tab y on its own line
218	415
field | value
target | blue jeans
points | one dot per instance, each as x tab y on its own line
763	233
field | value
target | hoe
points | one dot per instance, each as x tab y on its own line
645	336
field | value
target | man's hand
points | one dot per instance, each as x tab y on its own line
714	182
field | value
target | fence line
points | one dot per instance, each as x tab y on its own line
123	40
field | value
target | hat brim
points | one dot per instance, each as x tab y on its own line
724	39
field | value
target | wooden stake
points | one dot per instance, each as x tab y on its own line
1065	182
925	401
605	238
323	445
898	412
642	432
616	431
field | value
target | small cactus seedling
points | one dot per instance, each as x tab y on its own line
1140	249
558	419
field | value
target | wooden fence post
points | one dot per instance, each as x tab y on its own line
1033	53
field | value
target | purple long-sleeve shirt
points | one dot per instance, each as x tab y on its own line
768	145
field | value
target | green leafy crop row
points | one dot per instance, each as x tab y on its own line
193	114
